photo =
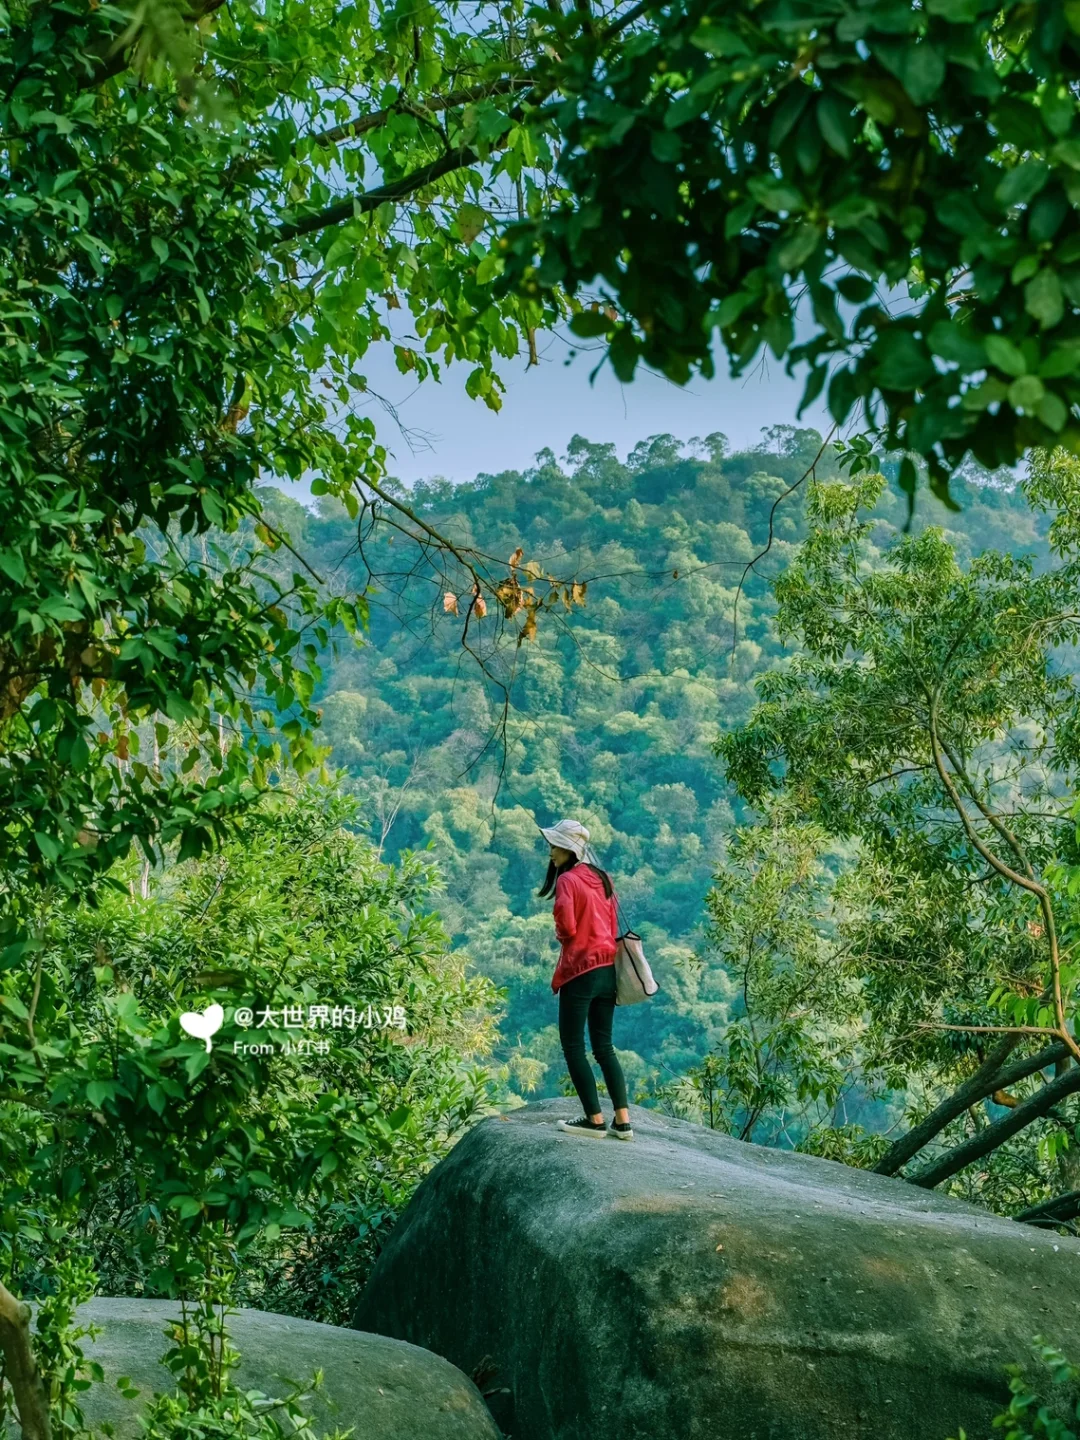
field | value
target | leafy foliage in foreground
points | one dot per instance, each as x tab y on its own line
207	1403
160	1162
1033	1412
725	158
184	311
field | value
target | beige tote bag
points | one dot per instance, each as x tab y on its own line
633	979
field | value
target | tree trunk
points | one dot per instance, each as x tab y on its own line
22	1372
991	1075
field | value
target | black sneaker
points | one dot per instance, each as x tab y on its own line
584	1126
620	1130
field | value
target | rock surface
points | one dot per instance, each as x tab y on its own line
386	1389
690	1287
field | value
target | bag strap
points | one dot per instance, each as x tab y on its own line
620	922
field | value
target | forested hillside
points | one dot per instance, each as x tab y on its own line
615	708
839	800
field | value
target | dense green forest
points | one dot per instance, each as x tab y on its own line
836	786
615	709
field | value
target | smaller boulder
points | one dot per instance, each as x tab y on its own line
386	1389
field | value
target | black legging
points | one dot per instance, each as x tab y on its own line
591	995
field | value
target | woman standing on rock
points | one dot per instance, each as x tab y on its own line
586	926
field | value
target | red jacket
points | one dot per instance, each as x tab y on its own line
585	924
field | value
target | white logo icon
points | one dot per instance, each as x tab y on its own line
203	1024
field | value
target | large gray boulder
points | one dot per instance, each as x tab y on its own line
386	1389
690	1287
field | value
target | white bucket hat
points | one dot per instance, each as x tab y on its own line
568	835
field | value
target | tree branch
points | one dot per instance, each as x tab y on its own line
439	540
1048	1213
1033	886
371	199
994	1135
363	123
21	1367
984	1082
989	1077
987	814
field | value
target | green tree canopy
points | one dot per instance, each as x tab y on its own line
187	301
911	170
929	722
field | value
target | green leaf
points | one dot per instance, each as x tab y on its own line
779	331
687	107
1022	183
835	122
798	247
127	1008
1043	299
815	383
775	194
98	1091
787	111
990	391
196	1063
1052	411
1058	109
666	146
471	219
732	306
923	71
13	565
12	955
589	323
844	390
956	343
717	39
856	288
1003	354
1026	393
902	364
1068	152
50	847
1064	360
958	11
1024	268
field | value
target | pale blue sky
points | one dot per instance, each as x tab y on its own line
448	434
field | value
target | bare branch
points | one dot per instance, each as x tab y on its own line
996	863
752	562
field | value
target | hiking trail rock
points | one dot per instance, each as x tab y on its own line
692	1287
386	1389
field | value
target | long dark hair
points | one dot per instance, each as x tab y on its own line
554	871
